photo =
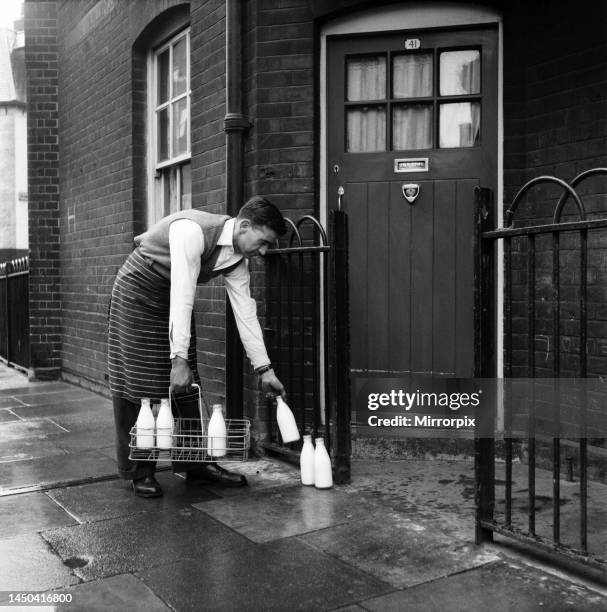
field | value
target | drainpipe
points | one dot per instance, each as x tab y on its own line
235	125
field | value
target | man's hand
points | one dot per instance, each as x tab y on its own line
270	384
181	376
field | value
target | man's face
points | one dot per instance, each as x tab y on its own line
251	240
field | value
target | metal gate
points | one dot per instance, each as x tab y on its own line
307	335
14	312
546	325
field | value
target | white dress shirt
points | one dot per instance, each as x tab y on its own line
186	243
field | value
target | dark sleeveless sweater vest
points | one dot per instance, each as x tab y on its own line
154	244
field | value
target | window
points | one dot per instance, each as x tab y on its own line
418	100
169	124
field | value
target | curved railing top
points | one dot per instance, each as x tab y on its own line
576	181
295	234
318	225
568	190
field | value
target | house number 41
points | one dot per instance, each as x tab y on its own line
413	43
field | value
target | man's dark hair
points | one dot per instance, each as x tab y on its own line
260	211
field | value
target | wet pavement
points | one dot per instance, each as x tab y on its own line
399	537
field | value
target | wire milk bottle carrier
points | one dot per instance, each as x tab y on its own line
190	440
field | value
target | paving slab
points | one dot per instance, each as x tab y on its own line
34	388
22	449
499	587
109	450
10	401
88	421
442	493
75	441
53	400
115	594
397	549
10	378
30	429
30	512
48	471
28	564
6	415
437	492
569	507
115	498
143	540
261	474
271	514
50	407
283	575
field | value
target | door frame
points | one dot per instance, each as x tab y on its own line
416	16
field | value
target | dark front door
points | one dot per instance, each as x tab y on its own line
412	130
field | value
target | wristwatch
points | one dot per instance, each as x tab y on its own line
263	369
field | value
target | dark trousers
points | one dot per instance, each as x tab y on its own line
125	416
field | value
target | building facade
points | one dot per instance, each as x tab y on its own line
13	149
141	107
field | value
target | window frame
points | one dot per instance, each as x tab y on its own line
160	170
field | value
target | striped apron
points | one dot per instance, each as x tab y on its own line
138	333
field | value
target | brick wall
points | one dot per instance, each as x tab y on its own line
555	75
102	168
208	176
556	109
279	149
43	185
555	81
281	93
101	107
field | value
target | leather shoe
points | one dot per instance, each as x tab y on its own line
213	473
147	487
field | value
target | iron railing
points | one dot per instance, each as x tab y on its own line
14	312
541	280
306	334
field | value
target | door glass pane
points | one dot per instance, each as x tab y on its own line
163	134
366	129
366	78
412	127
180	74
459	124
412	75
180	127
163	77
460	72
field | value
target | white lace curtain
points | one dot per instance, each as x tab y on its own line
412	76
412	122
366	81
412	127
